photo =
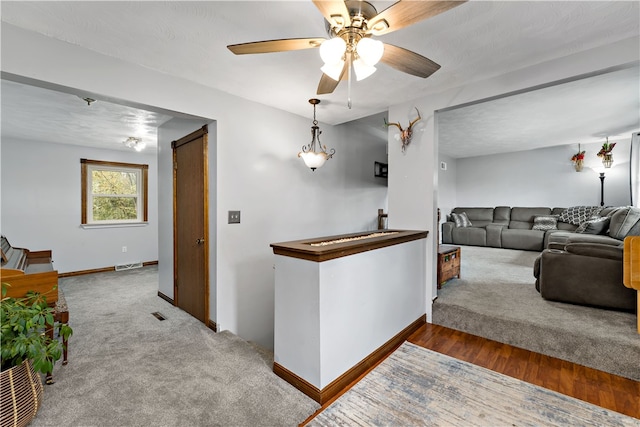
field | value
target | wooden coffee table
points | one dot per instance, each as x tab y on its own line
448	263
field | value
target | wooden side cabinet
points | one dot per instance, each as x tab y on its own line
448	263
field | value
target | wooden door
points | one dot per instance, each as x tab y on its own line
190	209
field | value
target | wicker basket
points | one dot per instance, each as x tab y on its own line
20	395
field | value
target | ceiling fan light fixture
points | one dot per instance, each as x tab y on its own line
378	26
333	70
338	21
362	69
332	50
370	50
135	143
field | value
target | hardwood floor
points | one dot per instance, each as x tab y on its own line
599	388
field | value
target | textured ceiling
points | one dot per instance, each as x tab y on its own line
38	114
582	111
472	42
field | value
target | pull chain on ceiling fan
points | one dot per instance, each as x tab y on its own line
351	25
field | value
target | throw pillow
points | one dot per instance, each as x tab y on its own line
576	215
461	219
594	225
545	222
627	225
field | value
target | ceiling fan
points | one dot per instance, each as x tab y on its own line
351	25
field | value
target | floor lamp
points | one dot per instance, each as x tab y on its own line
601	188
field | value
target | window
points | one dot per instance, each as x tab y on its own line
113	193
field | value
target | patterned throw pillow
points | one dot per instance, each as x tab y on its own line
576	215
461	219
594	225
545	222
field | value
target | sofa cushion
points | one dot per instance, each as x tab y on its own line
502	215
472	236
526	240
625	222
562	238
594	225
576	215
461	219
545	222
595	250
479	217
522	218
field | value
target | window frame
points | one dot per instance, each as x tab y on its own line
141	170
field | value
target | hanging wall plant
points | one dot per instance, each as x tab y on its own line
605	153
578	159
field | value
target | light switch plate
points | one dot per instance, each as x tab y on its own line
234	217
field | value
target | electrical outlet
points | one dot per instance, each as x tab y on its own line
234	217
124	249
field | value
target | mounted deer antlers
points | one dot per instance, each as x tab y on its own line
405	134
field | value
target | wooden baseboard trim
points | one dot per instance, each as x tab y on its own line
299	383
166	298
212	325
99	270
83	272
345	380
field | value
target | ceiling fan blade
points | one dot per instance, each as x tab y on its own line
408	62
335	12
405	13
269	46
327	84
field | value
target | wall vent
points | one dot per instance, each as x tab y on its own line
121	267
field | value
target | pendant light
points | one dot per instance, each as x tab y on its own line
312	158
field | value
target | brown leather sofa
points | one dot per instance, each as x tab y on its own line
587	269
585	274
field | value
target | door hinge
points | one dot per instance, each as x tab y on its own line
175	165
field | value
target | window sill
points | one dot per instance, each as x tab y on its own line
115	225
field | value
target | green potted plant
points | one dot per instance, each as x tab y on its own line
26	348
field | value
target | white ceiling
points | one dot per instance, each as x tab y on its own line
582	111
38	114
472	42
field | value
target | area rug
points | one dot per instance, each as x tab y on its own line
416	386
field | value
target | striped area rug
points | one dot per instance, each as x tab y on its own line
415	386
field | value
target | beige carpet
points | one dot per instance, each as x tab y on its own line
127	368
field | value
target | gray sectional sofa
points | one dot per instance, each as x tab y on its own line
514	227
580	260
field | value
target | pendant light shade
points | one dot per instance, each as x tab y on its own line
362	69
332	50
314	157
370	51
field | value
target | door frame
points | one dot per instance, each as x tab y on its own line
204	133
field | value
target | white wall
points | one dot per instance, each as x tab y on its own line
413	190
447	191
257	171
544	177
41	206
